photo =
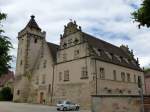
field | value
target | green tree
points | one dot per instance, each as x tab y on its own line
147	70
142	15
5	46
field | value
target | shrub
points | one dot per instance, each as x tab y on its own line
6	94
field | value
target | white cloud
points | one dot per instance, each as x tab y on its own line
107	16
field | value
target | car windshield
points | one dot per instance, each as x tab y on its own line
67	102
60	102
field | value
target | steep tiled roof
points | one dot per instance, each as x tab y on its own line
32	23
147	74
53	49
106	48
6	77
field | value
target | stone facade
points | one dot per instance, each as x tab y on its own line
116	103
79	67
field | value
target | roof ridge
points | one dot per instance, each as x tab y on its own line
101	40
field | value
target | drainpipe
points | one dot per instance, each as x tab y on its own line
96	76
140	87
52	85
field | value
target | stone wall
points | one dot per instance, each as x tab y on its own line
147	85
76	92
114	103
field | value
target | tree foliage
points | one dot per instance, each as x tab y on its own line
5	46
142	15
147	70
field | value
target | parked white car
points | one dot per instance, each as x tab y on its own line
67	105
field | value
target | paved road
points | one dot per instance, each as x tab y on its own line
24	107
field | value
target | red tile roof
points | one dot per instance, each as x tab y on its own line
6	77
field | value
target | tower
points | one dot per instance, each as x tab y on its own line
30	45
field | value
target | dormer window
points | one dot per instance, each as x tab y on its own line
96	51
121	58
126	60
112	55
108	54
99	52
129	60
118	58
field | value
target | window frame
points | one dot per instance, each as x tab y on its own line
66	75
102	73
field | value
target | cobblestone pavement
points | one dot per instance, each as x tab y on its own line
24	107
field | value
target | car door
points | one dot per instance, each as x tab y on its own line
68	106
72	106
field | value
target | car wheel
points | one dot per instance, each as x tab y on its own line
77	108
58	109
64	109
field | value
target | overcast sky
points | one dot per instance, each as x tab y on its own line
109	20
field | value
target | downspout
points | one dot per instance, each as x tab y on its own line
96	76
52	85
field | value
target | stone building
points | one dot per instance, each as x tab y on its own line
147	82
81	66
7	80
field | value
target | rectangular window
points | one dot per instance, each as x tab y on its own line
114	75
134	78
66	75
123	76
44	64
102	73
37	80
49	88
76	53
64	57
43	79
60	76
84	73
18	92
128	77
139	81
21	62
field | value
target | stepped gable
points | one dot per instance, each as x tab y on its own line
114	51
53	49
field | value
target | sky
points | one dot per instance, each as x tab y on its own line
109	20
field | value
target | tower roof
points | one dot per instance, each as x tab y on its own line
32	23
